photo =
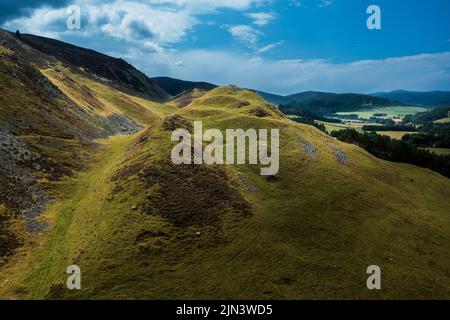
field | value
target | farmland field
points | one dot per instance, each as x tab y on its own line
394	134
445	120
330	127
401	111
440	151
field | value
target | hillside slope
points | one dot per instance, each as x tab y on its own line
140	227
184	99
105	68
428	99
175	86
323	103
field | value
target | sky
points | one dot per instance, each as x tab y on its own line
283	46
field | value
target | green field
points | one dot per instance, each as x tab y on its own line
440	151
394	134
401	111
445	120
330	127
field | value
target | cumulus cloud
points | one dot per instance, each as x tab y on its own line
127	20
261	18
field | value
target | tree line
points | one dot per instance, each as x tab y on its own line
396	150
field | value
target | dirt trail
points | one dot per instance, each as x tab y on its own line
44	265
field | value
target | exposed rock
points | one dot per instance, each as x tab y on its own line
247	184
122	125
19	189
242	104
341	156
309	148
260	112
175	122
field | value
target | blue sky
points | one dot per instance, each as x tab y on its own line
278	46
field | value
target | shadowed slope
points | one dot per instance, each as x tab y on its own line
115	71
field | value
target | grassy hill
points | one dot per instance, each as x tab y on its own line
176	87
140	227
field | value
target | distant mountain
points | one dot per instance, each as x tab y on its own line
322	103
116	71
274	98
175	86
430	98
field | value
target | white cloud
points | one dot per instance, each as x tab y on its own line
44	21
246	34
325	3
261	18
202	6
269	47
135	21
310	3
128	20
